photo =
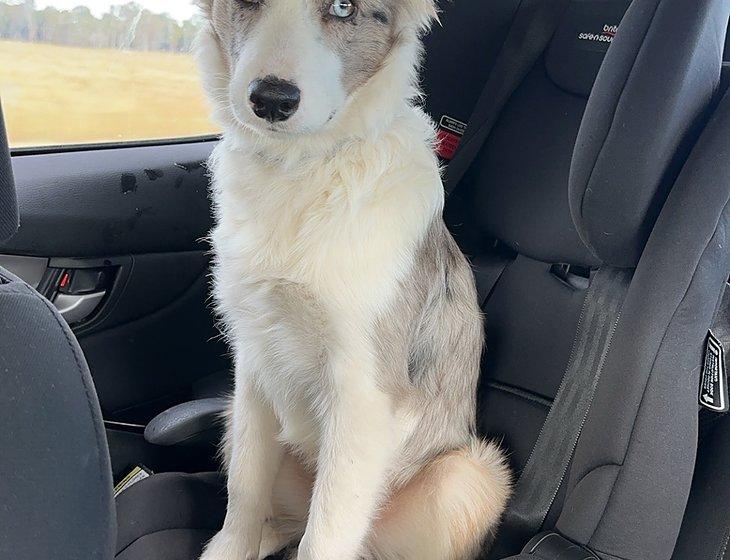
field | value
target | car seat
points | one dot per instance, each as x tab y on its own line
633	180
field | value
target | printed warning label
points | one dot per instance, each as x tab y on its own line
448	136
713	382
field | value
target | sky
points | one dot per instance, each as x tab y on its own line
178	9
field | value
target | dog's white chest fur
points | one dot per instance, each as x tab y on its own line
309	252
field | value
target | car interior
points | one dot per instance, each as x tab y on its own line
594	210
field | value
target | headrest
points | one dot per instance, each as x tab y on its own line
654	87
8	201
580	43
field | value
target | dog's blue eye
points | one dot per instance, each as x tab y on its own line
342	9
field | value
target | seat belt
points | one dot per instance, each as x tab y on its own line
533	26
548	464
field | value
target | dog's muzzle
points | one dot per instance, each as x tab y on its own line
272	99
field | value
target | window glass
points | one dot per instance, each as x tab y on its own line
93	71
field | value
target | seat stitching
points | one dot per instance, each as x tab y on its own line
613	556
594	469
163	531
520	393
653	365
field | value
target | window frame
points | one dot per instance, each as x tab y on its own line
114	145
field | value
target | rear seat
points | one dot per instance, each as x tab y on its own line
626	489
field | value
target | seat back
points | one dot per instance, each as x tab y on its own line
632	120
632	469
55	475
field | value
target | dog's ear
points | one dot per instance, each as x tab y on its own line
206	7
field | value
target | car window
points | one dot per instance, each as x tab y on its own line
96	71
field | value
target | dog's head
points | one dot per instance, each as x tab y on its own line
290	67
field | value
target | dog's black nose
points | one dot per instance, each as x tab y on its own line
273	99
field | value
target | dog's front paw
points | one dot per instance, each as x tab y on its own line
309	549
228	546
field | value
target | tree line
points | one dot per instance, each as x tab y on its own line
126	26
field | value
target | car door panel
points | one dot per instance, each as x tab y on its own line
137	218
118	201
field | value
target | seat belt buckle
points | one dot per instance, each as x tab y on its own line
554	546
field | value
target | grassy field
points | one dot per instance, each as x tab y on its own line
64	95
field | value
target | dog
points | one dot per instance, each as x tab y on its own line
351	313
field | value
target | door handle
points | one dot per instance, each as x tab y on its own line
76	308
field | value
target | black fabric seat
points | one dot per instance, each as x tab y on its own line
170	516
55	474
627	179
630	144
625	492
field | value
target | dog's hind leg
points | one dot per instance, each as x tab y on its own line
290	506
448	510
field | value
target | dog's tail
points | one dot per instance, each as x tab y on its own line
450	510
486	485
492	482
